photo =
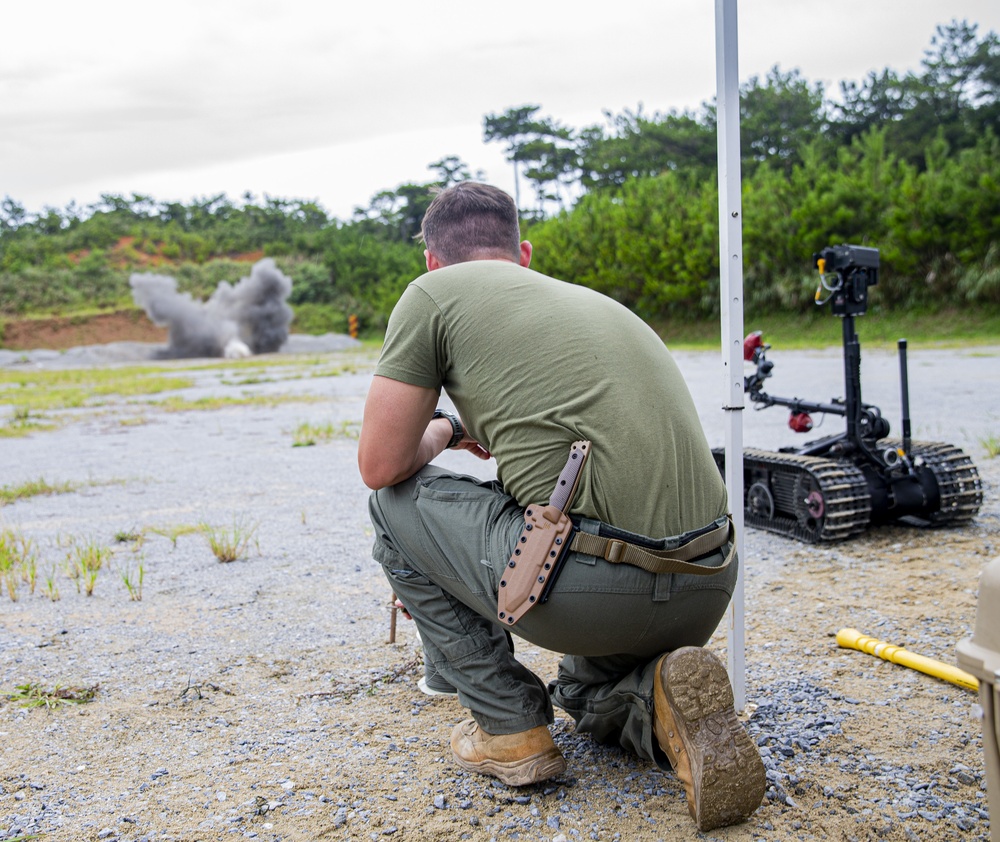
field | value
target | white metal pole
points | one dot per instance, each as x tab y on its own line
731	297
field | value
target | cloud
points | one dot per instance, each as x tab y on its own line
119	97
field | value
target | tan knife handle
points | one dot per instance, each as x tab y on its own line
569	479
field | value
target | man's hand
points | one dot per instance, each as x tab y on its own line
474	447
400	607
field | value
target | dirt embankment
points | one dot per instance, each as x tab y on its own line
61	332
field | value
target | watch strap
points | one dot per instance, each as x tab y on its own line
457	430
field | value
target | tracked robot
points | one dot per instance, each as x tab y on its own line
840	485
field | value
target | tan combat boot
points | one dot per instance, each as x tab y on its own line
696	726
516	759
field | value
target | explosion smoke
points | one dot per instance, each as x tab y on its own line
236	321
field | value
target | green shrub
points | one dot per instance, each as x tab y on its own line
317	319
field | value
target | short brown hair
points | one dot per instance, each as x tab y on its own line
472	221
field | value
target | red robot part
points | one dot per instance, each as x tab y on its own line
800	422
753	342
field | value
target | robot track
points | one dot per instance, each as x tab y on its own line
959	485
807	498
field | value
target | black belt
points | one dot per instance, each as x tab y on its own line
675	560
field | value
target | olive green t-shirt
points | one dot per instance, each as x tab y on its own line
533	364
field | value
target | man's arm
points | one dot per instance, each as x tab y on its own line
398	434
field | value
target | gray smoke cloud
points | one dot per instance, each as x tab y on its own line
251	317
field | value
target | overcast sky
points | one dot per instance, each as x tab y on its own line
332	101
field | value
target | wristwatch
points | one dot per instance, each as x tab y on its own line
458	431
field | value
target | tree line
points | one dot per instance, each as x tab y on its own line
907	163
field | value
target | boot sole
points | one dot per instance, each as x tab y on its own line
727	773
530	770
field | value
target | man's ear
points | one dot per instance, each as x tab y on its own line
431	261
525	254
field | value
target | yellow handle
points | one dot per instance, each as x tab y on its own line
853	639
821	265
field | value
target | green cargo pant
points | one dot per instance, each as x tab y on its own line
443	540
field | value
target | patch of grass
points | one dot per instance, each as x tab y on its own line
336	371
179	404
51	588
35	696
22	422
33	488
174	532
991	444
18	562
130	536
307	434
249	380
86	559
229	544
78	387
133	581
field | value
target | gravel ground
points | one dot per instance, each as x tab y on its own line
260	698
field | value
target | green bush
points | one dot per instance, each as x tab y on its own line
317	319
39	290
652	245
